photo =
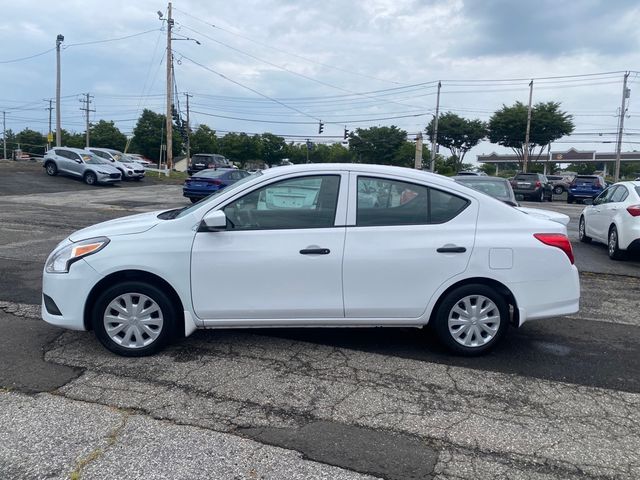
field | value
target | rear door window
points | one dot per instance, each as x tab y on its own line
620	195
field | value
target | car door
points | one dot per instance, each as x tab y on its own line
63	160
76	164
280	256
596	221
404	240
613	207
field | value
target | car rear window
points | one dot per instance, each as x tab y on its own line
585	180
526	176
210	173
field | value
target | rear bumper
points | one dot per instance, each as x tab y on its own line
192	193
554	297
528	193
583	194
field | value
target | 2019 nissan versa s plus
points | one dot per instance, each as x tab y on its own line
316	246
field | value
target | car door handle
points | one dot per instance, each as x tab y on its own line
451	249
315	251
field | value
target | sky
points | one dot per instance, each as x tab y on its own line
282	66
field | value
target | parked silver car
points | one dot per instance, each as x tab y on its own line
127	167
80	163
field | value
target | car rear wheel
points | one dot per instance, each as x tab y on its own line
612	245
471	319
51	169
134	319
582	228
558	190
193	200
570	199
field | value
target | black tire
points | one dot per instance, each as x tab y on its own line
540	197
51	168
122	176
558	190
570	199
612	244
550	197
137	179
455	299
90	178
582	236
168	313
193	200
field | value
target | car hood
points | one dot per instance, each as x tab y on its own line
546	214
103	167
120	226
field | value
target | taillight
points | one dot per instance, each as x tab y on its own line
557	240
538	184
216	182
634	210
597	184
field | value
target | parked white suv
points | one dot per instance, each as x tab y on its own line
129	169
296	247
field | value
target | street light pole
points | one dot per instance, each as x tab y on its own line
434	140
623	109
59	40
525	153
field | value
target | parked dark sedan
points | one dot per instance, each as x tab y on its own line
206	182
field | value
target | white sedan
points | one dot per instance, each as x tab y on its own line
614	219
297	247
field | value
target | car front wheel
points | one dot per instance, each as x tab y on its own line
134	319
51	169
612	245
90	178
471	319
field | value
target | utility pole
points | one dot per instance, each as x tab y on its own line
4	133
188	130
49	132
169	122
434	141
59	40
418	159
86	109
626	93
525	158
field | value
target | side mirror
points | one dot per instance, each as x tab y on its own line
589	201
214	220
78	161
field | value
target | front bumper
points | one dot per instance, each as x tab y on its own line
69	292
107	178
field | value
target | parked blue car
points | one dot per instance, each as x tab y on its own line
585	186
206	182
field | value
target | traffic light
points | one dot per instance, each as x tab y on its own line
346	133
320	127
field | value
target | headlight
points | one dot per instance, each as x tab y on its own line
103	173
60	261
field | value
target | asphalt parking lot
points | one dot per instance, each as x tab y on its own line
558	400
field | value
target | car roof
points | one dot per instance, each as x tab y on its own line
478	178
71	149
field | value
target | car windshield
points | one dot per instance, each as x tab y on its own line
210	173
187	210
116	156
495	188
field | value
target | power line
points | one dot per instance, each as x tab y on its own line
29	57
289	53
335	122
248	88
108	40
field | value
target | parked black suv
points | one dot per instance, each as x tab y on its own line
201	161
533	186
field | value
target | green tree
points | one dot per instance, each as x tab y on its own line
240	147
273	148
72	139
106	135
296	152
149	133
31	141
457	134
508	126
338	153
378	145
204	140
